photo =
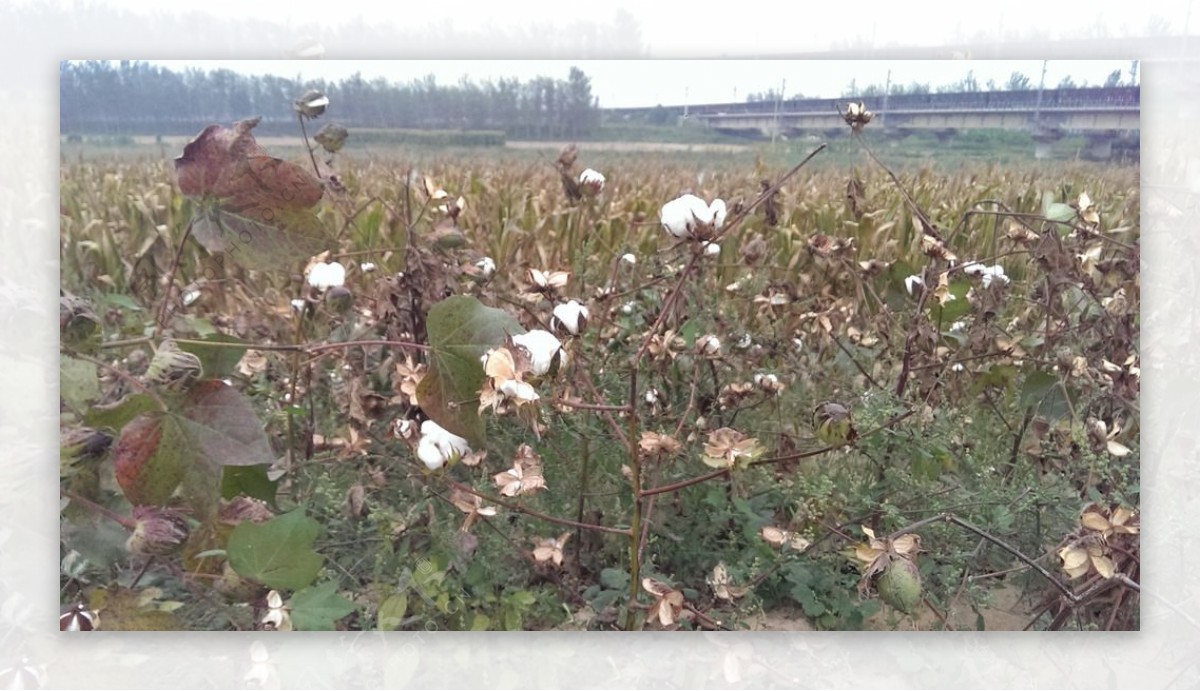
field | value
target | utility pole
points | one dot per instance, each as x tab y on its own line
1037	110
778	101
887	90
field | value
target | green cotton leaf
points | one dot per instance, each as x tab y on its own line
317	608
79	382
248	480
217	360
616	579
121	300
1043	391
996	377
277	553
115	416
223	426
461	330
1064	214
392	611
267	240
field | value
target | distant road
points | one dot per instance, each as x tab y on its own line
634	146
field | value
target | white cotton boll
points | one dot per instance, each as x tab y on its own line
298	305
629	259
717	212
994	273
912	282
190	296
542	346
711	249
437	445
973	268
681	216
572	316
708	345
429	454
522	391
591	181
627	308
367	267
323	276
487	267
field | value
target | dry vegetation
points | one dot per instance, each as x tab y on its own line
982	425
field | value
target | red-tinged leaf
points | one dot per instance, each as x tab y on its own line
461	330
255	208
148	464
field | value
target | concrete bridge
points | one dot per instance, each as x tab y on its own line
1110	118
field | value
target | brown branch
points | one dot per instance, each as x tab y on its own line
537	514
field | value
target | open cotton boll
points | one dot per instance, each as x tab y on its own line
323	276
680	216
717	211
487	267
571	316
591	181
437	445
912	282
542	346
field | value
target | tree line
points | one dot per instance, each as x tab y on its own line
134	97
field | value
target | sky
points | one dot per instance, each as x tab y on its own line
633	83
674	29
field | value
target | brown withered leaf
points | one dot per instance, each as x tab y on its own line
254	208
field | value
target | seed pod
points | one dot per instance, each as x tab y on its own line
158	532
833	423
331	137
78	325
900	585
173	368
311	104
340	299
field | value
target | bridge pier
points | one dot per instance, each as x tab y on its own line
1043	143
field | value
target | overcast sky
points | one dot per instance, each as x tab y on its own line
620	83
